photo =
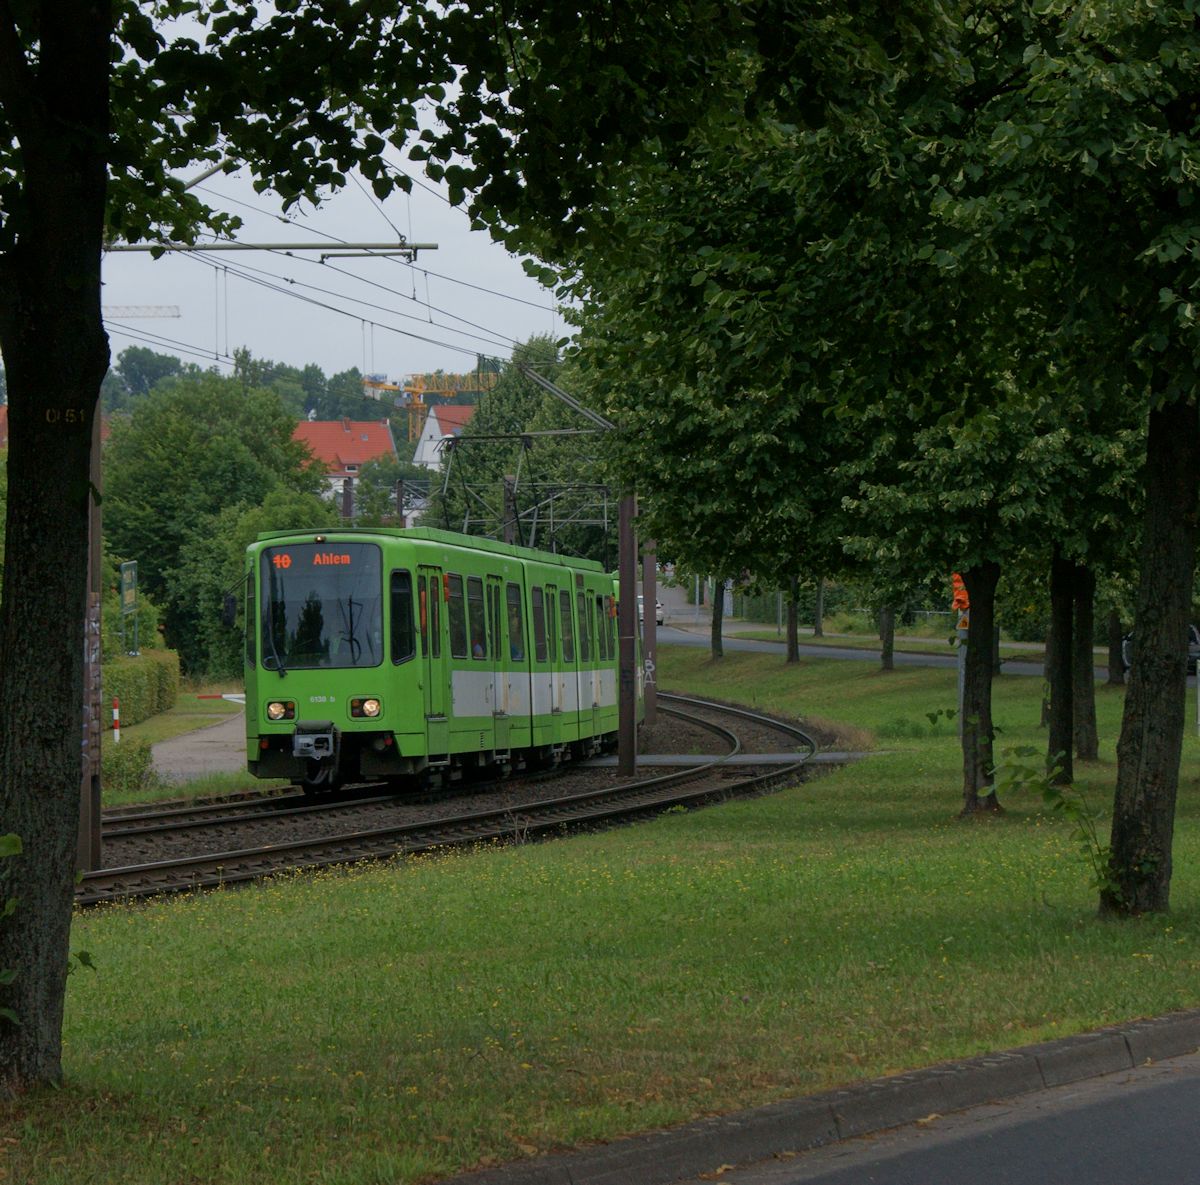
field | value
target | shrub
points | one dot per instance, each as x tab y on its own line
145	685
127	767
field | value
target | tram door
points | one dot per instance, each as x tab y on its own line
498	654
556	675
433	663
588	662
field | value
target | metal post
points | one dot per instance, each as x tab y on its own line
650	629
348	499
627	639
89	853
511	515
400	503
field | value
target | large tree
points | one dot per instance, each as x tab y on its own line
98	109
1025	194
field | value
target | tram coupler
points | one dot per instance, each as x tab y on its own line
315	740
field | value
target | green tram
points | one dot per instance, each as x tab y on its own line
389	653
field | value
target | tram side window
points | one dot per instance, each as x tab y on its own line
435	617
458	618
568	628
603	653
493	604
516	622
551	623
476	618
423	613
539	625
251	618
585	644
404	642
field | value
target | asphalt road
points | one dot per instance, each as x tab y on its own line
1137	1127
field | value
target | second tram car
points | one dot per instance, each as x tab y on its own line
389	653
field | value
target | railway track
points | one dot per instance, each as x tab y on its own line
209	851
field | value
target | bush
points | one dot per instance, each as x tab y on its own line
145	685
127	767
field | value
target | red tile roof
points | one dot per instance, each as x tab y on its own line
453	417
337	444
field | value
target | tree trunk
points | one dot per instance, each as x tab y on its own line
997	662
718	617
1152	728
1059	660
1116	660
1045	721
1083	693
977	732
887	637
793	623
55	356
819	609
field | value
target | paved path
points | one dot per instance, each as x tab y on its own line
220	748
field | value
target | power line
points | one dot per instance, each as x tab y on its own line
344	313
242	272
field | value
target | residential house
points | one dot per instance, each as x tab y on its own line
343	447
444	421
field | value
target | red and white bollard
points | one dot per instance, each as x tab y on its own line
116	721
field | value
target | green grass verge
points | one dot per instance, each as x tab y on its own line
404	1021
1012	651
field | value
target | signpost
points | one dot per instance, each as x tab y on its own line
129	605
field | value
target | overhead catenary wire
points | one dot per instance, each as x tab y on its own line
242	273
338	300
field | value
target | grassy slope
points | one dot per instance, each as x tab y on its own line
421	1017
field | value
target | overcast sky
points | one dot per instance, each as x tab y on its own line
381	315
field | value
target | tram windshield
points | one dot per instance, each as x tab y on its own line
321	606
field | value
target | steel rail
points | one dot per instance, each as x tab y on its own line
567	812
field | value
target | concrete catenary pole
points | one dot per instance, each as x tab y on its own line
627	639
650	630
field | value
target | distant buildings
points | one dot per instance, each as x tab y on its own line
445	420
343	447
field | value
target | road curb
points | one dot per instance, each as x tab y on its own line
661	1157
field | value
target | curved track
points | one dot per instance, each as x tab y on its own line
384	826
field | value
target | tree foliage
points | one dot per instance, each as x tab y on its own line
104	109
193	449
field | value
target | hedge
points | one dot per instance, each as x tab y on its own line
145	685
127	768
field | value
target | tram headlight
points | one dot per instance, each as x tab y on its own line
281	710
367	706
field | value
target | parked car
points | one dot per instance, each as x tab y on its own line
658	610
1193	649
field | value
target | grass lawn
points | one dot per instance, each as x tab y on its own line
403	1021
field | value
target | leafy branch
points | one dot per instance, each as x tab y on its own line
1023	768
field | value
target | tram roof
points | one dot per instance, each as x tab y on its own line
434	535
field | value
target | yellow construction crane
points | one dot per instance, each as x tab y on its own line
411	391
